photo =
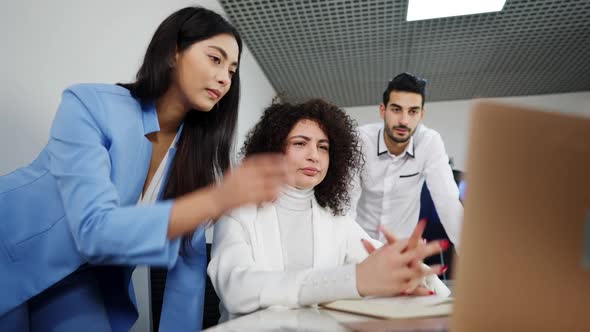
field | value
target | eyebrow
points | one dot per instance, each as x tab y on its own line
399	106
323	140
223	53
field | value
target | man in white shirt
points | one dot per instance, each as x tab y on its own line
400	154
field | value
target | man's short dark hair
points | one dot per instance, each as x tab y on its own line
405	82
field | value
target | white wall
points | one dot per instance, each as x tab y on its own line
451	118
49	45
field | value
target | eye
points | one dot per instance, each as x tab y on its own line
413	112
215	59
232	73
299	143
396	110
325	147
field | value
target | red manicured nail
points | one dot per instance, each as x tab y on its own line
444	269
444	244
431	292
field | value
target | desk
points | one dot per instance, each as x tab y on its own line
318	319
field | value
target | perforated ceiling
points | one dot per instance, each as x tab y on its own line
346	51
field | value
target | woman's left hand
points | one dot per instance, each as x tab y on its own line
416	288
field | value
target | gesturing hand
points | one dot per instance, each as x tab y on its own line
396	268
258	179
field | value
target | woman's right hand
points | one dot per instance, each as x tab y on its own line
257	180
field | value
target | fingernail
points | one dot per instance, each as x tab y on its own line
431	293
423	240
444	269
444	244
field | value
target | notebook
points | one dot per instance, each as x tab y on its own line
395	307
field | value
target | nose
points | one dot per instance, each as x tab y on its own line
223	77
313	154
404	120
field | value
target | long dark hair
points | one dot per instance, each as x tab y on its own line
205	146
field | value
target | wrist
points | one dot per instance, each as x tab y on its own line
218	200
360	280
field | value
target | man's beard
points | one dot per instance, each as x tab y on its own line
389	132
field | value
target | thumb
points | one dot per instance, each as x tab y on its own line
368	246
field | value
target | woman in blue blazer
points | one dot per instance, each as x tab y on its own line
129	177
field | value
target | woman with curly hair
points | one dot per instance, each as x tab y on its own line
302	249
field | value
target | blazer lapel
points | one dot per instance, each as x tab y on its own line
268	248
171	154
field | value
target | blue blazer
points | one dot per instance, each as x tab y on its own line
75	204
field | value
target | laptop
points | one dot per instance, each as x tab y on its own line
525	246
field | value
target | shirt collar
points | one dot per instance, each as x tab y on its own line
410	149
382	148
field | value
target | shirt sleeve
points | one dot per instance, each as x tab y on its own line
443	189
355	195
339	283
103	231
326	285
356	185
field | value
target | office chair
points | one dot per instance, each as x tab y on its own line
158	282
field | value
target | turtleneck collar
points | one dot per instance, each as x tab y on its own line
295	199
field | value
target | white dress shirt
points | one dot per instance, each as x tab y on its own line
387	191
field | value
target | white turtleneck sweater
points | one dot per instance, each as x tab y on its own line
294	214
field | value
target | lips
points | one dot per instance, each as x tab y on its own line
214	93
311	171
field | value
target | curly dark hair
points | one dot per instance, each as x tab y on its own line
270	135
